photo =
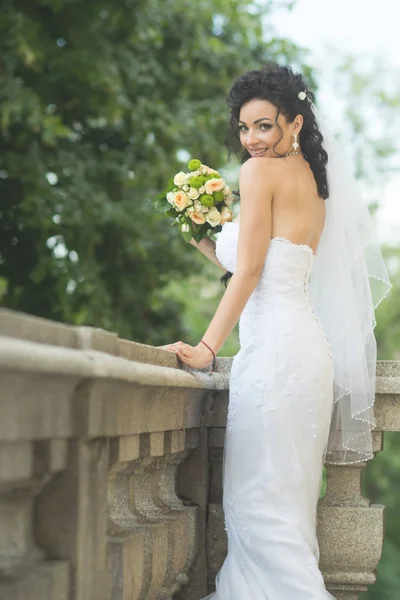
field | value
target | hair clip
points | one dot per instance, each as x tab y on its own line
302	95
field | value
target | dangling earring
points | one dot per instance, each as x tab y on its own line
295	147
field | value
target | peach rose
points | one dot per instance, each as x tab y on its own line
226	215
204	170
197	217
181	200
214	185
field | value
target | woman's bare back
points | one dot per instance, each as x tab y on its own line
298	213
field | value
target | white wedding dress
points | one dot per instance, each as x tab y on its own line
280	406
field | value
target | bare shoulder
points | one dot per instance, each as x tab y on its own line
262	173
260	168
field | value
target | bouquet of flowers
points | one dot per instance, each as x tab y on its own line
199	202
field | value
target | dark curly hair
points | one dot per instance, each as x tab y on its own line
280	86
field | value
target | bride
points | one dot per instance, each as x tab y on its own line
305	275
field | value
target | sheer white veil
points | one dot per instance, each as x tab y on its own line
348	281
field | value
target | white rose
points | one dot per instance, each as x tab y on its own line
199	207
193	193
180	179
185	227
202	190
213	217
186	187
171	197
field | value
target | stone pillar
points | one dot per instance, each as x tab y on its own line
26	571
350	533
71	517
153	536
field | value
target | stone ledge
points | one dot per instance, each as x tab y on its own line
27	327
23	356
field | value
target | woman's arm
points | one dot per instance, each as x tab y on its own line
258	182
207	247
257	185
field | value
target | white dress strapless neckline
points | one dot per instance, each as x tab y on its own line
278	239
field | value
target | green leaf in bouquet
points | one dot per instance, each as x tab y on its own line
199	236
200	231
162	205
170	185
187	235
159	197
172	212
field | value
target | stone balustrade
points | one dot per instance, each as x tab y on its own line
110	472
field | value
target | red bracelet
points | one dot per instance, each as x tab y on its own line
203	342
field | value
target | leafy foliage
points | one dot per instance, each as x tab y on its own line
99	103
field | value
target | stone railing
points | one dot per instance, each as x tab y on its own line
110	472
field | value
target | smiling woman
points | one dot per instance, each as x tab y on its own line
272	118
280	394
301	386
266	136
269	109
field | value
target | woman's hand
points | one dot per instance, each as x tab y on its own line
196	357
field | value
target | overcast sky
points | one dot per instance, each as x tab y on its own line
362	27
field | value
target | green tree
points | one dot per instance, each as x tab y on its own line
99	104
